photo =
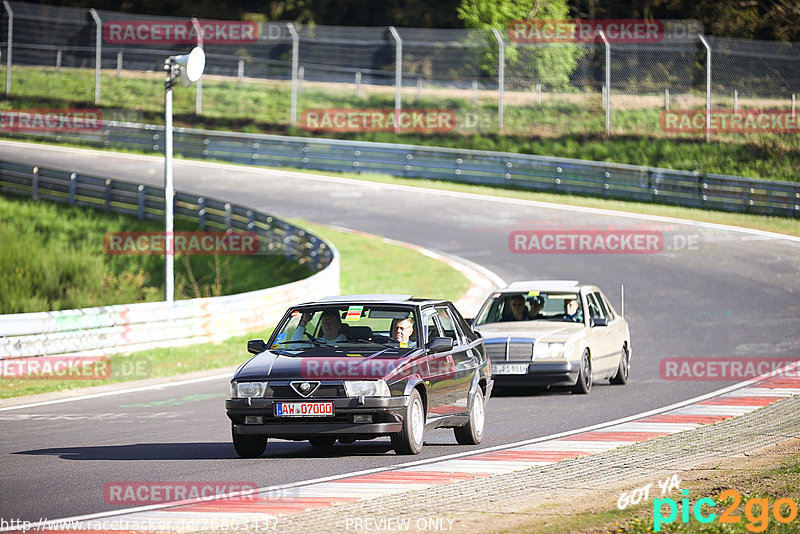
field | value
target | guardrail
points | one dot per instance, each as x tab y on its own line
537	173
123	328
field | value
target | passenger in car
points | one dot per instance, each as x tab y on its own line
331	327
516	304
401	331
537	303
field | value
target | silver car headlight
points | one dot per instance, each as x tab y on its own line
552	351
366	388
245	390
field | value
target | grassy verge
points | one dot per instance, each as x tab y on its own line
765	485
368	266
573	126
53	259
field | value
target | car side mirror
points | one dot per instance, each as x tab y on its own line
256	346
440	344
598	321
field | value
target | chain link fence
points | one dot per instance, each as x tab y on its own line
537	88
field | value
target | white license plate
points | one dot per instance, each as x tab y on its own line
304	409
510	368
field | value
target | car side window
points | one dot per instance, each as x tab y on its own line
601	300
449	326
431	326
594	308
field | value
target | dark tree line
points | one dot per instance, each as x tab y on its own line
751	19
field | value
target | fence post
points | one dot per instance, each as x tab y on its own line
708	86
228	216
141	202
735	100
240	73
608	82
35	185
201	212
666	99
108	193
538	93
793	105
501	77
119	64
58	60
9	45
98	53
398	75
419	89
73	185
474	92
301	75
198	96
295	57
358	84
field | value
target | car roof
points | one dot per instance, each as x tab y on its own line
377	298
543	285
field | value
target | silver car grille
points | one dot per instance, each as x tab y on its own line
505	350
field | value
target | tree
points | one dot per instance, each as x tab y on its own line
526	64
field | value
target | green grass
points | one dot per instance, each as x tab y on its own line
554	128
369	265
53	259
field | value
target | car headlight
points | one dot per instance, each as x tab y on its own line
244	390
551	351
366	388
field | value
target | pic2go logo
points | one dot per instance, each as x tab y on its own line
756	511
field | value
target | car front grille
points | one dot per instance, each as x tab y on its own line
516	350
325	390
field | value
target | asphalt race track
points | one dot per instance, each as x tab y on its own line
710	293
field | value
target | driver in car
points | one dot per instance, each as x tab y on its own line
401	331
572	311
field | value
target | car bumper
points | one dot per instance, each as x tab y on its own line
541	374
387	413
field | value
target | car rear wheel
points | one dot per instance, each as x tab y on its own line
322	442
409	440
249	446
624	368
472	432
584	384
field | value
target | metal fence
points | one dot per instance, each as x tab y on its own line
403	67
537	173
129	327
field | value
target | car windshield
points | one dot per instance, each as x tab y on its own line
531	306
351	327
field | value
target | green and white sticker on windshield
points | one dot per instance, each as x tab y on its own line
353	313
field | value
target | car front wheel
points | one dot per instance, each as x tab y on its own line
584	384
409	439
472	432
249	446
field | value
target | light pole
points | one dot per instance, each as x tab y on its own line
188	68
